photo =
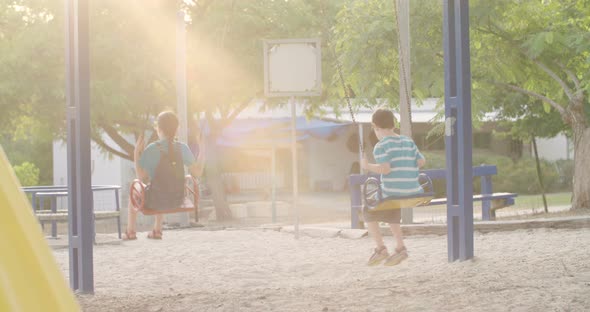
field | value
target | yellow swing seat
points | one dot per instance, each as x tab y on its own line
390	203
373	200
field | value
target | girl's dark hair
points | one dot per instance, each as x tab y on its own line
168	124
383	118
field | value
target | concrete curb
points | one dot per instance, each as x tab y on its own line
499	226
353	233
408	230
311	231
101	239
441	229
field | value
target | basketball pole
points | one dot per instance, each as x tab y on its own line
273	165
291	76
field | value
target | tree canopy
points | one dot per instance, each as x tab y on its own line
530	60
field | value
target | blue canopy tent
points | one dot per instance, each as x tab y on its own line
268	133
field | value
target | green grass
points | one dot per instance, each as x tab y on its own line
536	201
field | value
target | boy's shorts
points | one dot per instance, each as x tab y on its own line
389	216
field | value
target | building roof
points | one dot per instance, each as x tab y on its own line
252	132
426	111
259	125
421	113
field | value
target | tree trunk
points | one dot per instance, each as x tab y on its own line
540	174
581	192
215	181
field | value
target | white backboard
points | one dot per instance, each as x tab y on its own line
292	67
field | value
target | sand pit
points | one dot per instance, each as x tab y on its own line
190	270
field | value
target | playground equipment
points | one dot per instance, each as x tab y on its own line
30	279
458	134
458	128
490	201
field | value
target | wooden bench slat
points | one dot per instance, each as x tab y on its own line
46	211
63	215
494	196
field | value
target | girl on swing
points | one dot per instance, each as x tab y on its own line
161	165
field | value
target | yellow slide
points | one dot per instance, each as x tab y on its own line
30	279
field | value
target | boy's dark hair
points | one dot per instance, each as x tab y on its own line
383	118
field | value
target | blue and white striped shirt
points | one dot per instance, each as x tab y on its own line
402	154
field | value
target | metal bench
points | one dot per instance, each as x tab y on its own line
490	201
38	195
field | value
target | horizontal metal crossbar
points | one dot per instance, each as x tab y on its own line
434	174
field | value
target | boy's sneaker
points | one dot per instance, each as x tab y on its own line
379	254
397	257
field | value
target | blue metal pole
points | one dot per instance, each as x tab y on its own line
80	202
356	182
355	203
486	204
40	207
118	208
53	223
458	132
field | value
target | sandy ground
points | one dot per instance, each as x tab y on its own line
191	270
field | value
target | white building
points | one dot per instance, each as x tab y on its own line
556	148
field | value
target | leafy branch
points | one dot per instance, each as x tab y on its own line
543	98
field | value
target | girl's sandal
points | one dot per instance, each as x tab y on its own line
155	234
129	236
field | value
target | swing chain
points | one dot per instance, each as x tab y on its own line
347	97
402	66
403	69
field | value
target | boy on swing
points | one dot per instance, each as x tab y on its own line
398	161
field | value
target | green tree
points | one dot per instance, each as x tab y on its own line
27	173
132	46
539	50
530	61
29	88
365	39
